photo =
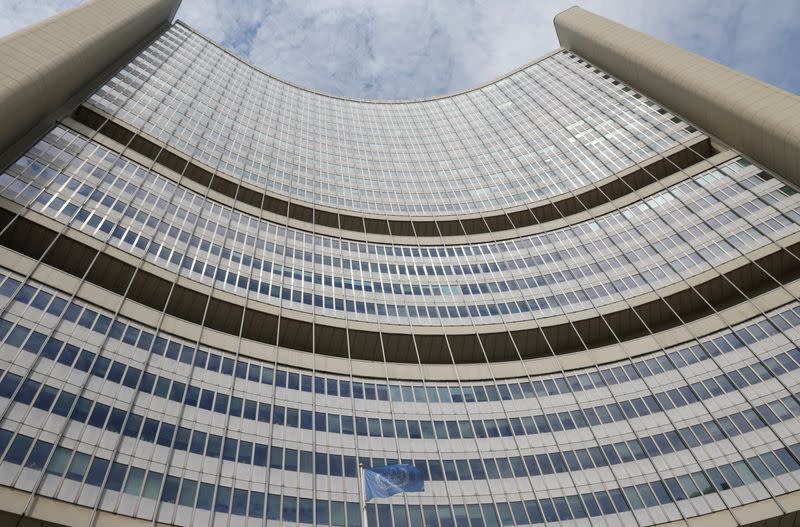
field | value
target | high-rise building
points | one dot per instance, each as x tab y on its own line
568	296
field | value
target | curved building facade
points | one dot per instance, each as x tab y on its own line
562	301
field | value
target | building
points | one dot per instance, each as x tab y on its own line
570	296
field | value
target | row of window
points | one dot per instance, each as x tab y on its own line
780	320
137	237
96	414
153	485
163	387
243	273
21	337
113	178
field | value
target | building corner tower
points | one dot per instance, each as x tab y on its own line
757	119
569	296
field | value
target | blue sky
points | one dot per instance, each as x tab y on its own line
397	49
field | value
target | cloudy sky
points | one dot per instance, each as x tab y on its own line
395	49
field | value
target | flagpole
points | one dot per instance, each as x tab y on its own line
362	495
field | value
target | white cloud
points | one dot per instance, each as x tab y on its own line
16	14
417	48
414	48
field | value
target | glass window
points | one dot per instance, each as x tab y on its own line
205	495
152	485
223	498
170	492
58	463
77	468
19	449
188	492
116	476
133	485
256	507
306	510
289	509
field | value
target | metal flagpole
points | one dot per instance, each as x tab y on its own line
362	496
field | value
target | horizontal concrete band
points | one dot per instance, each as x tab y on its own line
759	120
44	65
118	272
506	222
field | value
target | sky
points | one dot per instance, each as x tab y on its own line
401	49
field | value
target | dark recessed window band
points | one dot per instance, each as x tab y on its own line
567	206
70	256
179	350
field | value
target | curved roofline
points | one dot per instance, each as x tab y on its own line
367	101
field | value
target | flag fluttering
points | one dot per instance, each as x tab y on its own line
382	482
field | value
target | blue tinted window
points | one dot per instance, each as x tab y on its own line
81	410
149	430
306	510
198	442
221	403
58	463
18	449
249	409
182	438
273	507
204	496
223	499
229	449
188	491
169	494
99	414
77	468
236	407
46	397
85	360
27	391
289	509
214	362
97	471
9	384
114	372
227	366
133	425
116	476
165	434
161	387
214	446
101	366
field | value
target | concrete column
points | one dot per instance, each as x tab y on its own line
757	119
46	64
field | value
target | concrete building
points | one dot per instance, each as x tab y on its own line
569	296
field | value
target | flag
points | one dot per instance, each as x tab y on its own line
382	482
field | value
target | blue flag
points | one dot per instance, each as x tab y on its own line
382	482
